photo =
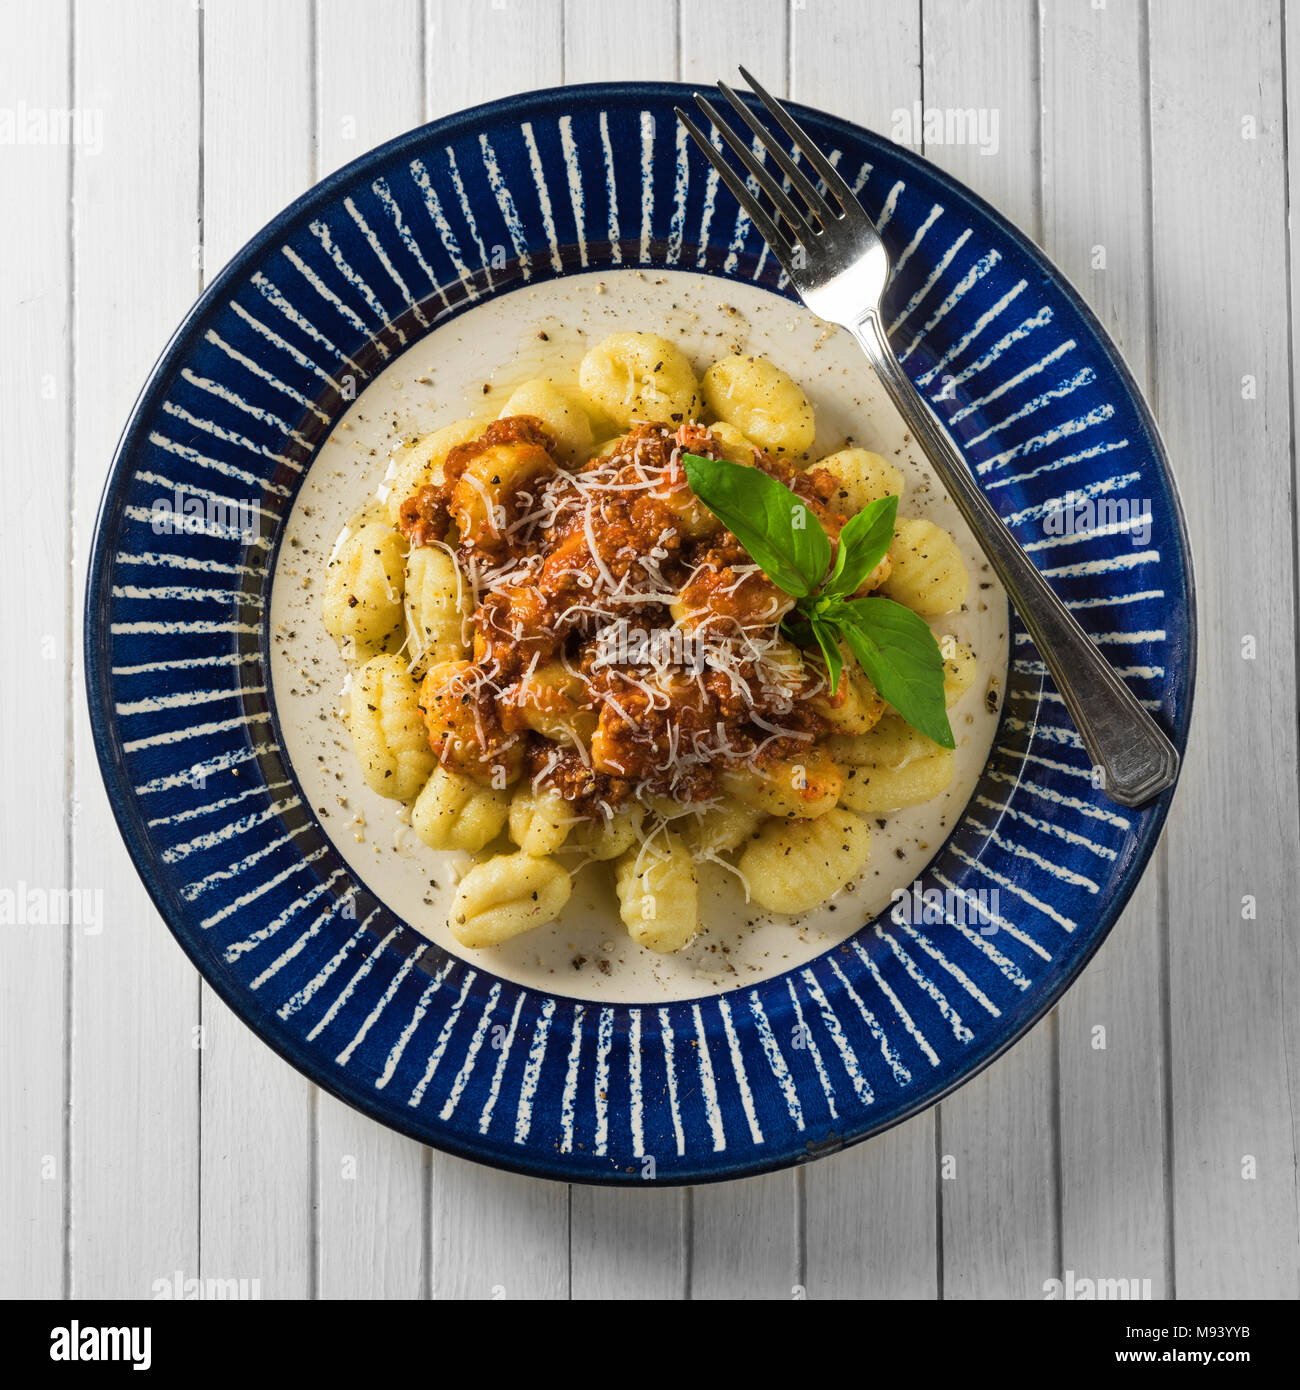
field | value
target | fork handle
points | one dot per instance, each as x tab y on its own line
1137	760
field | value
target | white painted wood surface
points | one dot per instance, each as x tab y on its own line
1144	143
1222	385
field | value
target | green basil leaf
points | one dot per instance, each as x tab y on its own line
863	543
901	657
828	635
779	530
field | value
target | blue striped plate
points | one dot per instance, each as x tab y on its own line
177	658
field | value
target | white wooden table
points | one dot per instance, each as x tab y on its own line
1147	1130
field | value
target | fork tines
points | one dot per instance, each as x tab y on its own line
817	213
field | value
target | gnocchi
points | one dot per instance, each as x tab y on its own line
488	486
756	397
890	743
455	812
959	669
733	446
658	897
437	607
723	828
539	821
871	789
416	462
364	587
506	895
927	572
388	734
608	837
451	699
640	376
800	790
855	708
551	701
862	478
792	866
562	415
894	766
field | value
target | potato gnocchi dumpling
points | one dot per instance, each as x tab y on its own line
506	895
640	376
476	598
437	607
454	812
603	451
449	703
894	766
489	486
560	413
802	790
890	743
855	708
959	669
550	700
863	478
761	401
658	897
928	573
364	586
417	462
690	516
870	790
608	837
539	821
791	866
735	448
388	733
723	828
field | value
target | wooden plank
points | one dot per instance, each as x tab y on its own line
718	34
1096	227
964	70
871	1218
603	42
1222	382
524	38
999	1203
373	1198
369	76
629	1245
135	998
870	1215
497	1236
35	686
1291	80
372	1182
746	1238
258	1112
861	61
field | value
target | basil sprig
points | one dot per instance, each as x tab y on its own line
893	645
777	528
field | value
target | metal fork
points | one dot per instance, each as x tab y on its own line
839	265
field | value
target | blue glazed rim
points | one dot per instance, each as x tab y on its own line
538	1158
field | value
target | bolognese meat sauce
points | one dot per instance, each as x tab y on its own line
626	645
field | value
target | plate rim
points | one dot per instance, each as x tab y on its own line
98	593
